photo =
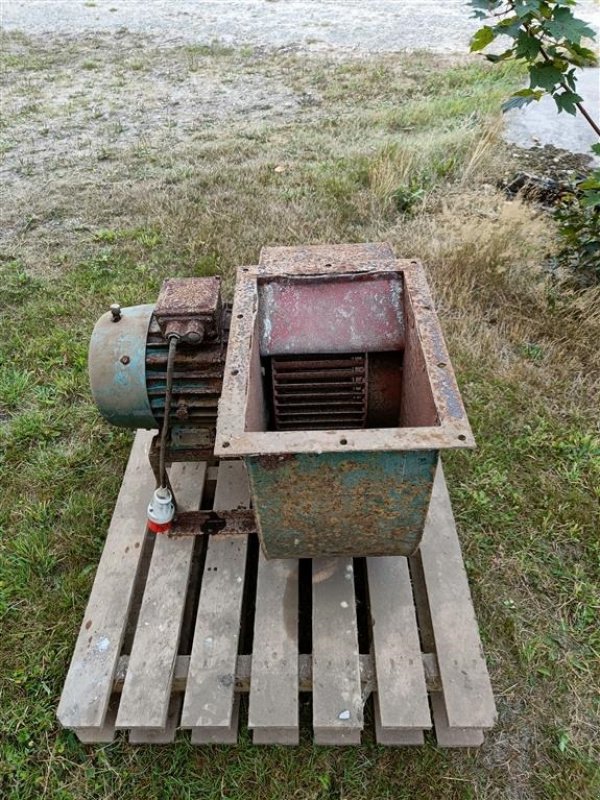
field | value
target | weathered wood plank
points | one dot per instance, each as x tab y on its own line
88	685
337	699
452	737
401	688
147	690
394	737
210	704
167	733
467	690
106	732
219	734
273	707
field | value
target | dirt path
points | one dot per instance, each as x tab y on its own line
371	26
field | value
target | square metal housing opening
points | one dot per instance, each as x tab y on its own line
320	488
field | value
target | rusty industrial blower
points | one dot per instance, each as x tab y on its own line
328	376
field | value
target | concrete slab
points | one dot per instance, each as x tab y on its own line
540	123
375	26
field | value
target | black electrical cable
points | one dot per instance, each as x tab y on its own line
165	426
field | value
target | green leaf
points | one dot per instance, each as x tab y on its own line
521	99
545	75
596	148
580	55
496	57
566	100
591	182
565	26
510	26
528	47
525	7
591	200
482	38
483	8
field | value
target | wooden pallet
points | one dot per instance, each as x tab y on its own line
177	630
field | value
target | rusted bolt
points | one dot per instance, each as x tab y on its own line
115	310
125	360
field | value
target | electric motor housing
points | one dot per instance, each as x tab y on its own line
128	360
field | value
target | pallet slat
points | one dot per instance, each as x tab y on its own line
88	686
452	737
147	690
164	735
210	706
337	697
273	706
394	737
468	697
402	707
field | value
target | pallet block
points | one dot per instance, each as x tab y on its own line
177	630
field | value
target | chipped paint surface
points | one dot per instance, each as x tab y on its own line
337	504
117	367
437	359
351	313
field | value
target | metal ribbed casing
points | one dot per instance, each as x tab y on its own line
197	380
319	392
127	366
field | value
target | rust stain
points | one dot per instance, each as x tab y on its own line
188	296
273	462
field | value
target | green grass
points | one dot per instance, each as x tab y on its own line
401	149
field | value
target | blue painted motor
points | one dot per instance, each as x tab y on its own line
129	352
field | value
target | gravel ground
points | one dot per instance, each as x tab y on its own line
362	25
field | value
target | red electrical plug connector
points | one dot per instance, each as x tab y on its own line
161	511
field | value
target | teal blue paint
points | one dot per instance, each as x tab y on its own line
119	388
365	503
